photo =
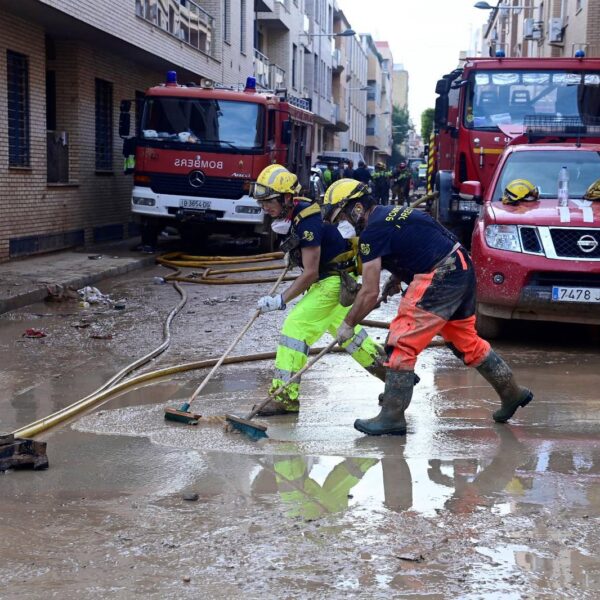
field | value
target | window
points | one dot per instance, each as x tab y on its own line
17	76
104	126
294	65
226	20
243	26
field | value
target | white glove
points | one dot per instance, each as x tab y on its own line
344	333
269	303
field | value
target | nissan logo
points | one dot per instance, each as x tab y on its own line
587	243
197	179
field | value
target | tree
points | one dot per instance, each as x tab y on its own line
401	125
426	124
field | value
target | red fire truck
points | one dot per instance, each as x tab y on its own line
482	106
199	147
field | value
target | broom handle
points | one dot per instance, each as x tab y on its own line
297	376
237	339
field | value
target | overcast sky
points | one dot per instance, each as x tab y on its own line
426	36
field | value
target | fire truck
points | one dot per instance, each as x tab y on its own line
489	103
198	148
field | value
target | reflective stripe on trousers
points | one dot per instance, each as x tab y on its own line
317	312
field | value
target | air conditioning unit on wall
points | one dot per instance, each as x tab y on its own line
555	30
528	29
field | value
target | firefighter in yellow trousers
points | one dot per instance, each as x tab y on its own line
327	257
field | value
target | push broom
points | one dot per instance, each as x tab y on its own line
183	414
256	430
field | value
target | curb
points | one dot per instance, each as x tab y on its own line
26	298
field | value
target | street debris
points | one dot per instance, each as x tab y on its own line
34	333
101	336
93	295
411	557
60	293
190	496
215	300
19	453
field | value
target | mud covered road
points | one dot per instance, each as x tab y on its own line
460	508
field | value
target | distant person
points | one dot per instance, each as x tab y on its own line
362	174
339	172
381	184
328	174
349	170
401	184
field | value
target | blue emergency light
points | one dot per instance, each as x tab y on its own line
500	54
171	77
580	54
250	84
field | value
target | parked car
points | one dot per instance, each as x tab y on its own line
538	260
422	175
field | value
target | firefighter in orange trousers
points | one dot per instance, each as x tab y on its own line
440	299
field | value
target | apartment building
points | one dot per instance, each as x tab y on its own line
349	87
550	28
379	100
400	86
64	67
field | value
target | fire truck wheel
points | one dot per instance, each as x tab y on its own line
268	242
150	229
488	327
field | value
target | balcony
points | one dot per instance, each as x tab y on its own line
261	69
337	63
279	19
276	77
188	22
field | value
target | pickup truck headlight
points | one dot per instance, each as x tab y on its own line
503	237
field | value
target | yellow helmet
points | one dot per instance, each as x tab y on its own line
519	190
272	181
593	192
340	192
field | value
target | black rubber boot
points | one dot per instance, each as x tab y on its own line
499	375
417	379
396	399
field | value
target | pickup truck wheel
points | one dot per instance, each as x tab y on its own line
488	327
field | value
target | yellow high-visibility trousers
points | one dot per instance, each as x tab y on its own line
318	311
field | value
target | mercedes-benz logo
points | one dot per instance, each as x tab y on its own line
587	243
197	179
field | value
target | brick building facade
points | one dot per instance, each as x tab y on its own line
65	65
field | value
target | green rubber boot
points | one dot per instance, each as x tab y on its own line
499	375
396	399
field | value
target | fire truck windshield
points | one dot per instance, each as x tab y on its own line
204	122
506	97
541	167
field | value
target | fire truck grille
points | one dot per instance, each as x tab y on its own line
213	187
576	243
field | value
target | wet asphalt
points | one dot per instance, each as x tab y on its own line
459	508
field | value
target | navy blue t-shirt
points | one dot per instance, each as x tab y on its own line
407	240
312	231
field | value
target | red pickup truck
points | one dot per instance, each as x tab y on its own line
538	260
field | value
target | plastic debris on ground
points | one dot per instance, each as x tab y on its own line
34	333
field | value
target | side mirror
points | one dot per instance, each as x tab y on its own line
286	132
442	86
440	116
125	118
471	190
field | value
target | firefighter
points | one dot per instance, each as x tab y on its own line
328	174
401	184
381	184
440	299
325	256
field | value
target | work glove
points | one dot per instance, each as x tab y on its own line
269	303
344	333
391	288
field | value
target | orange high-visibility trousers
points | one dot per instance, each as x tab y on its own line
441	302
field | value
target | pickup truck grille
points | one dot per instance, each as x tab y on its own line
530	239
214	187
572	243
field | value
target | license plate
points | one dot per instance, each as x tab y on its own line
195	204
575	294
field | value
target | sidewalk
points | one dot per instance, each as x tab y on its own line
24	280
